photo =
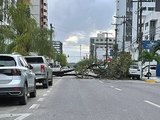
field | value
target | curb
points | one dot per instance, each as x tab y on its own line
150	81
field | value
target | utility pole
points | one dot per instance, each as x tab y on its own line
140	25
124	31
124	34
116	34
51	29
106	43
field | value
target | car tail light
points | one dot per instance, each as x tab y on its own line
42	68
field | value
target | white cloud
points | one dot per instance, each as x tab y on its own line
71	40
75	22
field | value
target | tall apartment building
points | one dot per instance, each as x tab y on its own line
99	43
124	11
4	4
123	6
58	46
39	11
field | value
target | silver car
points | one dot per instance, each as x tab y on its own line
16	78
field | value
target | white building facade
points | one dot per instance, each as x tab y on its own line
98	46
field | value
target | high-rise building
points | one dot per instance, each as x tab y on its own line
58	46
129	9
4	5
98	46
124	11
39	11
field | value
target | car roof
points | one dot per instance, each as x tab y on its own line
11	55
33	56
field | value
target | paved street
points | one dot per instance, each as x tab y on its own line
88	99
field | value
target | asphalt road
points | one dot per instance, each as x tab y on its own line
88	99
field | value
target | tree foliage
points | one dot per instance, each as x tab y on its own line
23	35
82	67
62	59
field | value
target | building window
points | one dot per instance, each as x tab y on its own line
144	8
152	23
150	8
45	4
146	25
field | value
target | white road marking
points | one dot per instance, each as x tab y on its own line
34	106
22	116
112	86
48	91
118	89
151	103
40	99
100	81
44	94
19	116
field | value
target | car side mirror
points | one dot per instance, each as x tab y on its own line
30	67
51	65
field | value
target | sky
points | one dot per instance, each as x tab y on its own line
75	21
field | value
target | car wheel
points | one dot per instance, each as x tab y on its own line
33	94
45	83
51	82
23	99
138	78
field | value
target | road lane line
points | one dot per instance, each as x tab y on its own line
23	116
18	116
118	89
34	106
48	91
100	81
44	94
40	99
151	103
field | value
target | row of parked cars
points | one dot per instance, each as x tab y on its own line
19	75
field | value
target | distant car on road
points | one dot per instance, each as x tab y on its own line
16	78
42	70
56	68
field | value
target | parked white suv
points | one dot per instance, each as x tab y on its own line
134	71
16	78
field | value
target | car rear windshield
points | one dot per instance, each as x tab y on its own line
7	61
34	59
134	67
